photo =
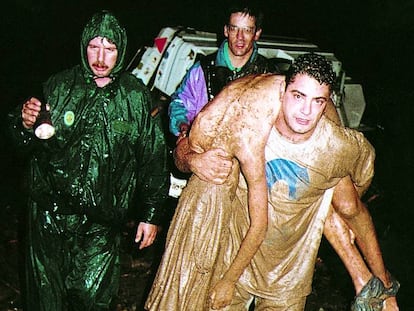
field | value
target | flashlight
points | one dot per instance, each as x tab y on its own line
43	127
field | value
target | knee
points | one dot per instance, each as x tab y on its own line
348	208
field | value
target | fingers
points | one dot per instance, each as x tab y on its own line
221	295
219	175
213	302
146	234
30	111
138	235
221	153
217	304
217	158
184	128
212	166
212	295
148	240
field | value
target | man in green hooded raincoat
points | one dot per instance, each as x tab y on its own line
107	156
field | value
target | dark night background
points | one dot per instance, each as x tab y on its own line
373	39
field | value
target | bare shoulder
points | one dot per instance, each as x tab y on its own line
241	114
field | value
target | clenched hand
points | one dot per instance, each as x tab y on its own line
222	294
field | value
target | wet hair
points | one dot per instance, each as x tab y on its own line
250	10
313	65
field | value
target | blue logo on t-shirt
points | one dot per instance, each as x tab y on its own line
290	172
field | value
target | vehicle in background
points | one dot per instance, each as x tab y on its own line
175	49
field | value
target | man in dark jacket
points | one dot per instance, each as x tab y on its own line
107	155
237	56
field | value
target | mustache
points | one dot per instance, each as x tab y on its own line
99	64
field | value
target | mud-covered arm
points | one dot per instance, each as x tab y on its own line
214	165
182	155
250	128
253	168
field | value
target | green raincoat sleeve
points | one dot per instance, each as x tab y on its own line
153	173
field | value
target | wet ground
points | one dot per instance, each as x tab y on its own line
390	204
138	268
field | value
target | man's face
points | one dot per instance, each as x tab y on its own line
102	56
302	107
241	33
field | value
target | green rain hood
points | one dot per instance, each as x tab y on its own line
104	24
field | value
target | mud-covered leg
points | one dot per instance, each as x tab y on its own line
355	216
340	237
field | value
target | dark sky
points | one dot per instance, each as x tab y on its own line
41	37
373	39
352	29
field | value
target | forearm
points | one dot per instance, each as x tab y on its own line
177	116
248	249
254	236
182	154
188	100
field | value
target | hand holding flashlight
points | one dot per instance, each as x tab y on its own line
37	115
